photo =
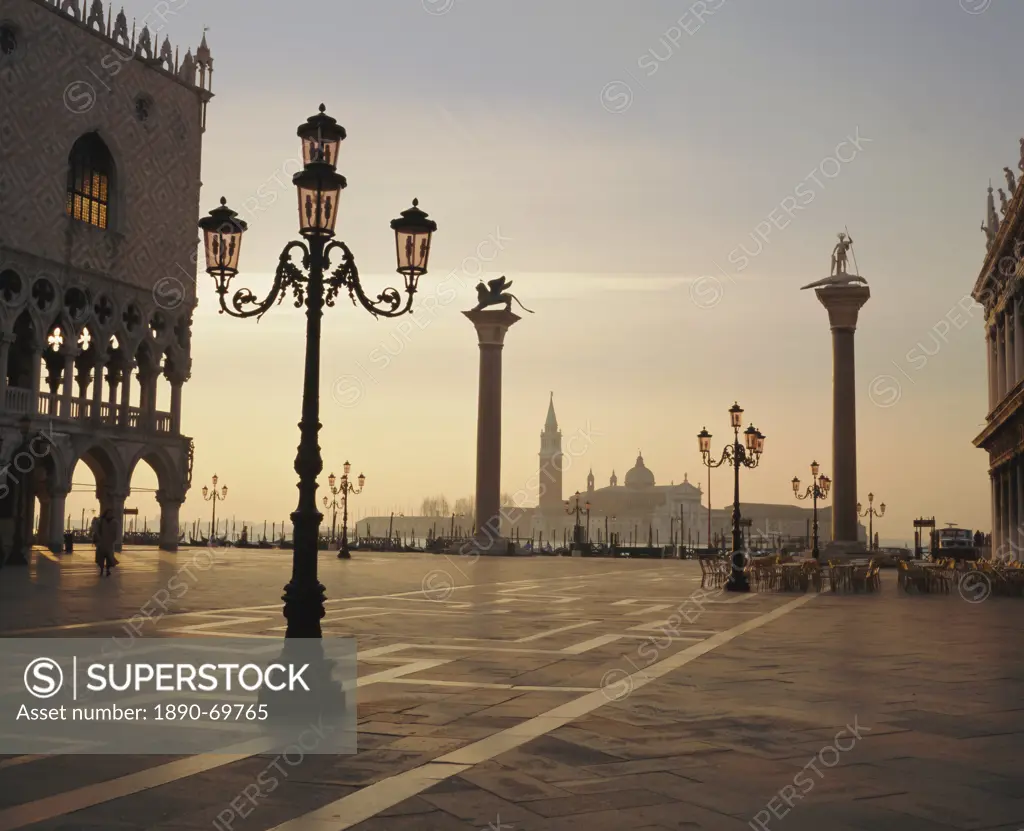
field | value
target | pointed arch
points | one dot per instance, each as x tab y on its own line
90	181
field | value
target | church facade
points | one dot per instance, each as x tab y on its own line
99	195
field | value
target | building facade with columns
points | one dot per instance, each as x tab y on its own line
99	177
998	290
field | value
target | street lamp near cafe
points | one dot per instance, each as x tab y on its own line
747	454
313	284
818	489
871	513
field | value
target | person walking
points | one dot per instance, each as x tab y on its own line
105	537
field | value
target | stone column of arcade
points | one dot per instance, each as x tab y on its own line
491	327
843	294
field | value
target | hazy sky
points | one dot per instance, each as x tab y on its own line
658	179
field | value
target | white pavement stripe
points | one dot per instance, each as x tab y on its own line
371	800
650	610
276	607
593	643
79	799
89	796
432	682
625	602
540	635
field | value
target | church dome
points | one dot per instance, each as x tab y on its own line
639	476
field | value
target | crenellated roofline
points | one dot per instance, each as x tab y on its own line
196	73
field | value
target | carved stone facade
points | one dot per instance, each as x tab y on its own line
100	149
999	290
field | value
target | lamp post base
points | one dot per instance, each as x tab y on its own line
343	554
737	583
304	608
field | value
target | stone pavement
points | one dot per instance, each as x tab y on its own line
547	694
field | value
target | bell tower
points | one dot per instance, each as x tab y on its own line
550	479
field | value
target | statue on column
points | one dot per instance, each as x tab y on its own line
838	275
494	293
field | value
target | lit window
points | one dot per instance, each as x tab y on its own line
89	172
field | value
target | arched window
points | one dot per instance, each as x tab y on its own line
90	169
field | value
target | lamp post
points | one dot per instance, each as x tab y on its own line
588	523
344	488
818	489
738	456
871	513
214	496
314	285
577	510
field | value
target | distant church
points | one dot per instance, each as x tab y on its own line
639	506
639	509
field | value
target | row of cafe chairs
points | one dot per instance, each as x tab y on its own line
940	576
773	574
714	571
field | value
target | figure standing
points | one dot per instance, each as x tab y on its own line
1004	204
1011	181
839	254
105	537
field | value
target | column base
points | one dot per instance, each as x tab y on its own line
842	551
485	545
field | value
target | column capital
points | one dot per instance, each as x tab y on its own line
843	303
491	326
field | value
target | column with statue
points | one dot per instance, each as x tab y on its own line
843	294
491	326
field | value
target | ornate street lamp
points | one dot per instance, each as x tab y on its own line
818	489
344	488
871	513
738	455
214	496
577	530
314	285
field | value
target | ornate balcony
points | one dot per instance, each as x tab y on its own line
19	401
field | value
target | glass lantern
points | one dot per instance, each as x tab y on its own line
704	440
413	232
796	485
736	415
319	188
750	437
321	137
222	240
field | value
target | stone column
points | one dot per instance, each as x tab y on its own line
97	390
68	382
37	371
124	416
53	531
990	352
997	516
115	500
491	327
1011	348
6	340
1013	496
1018	338
843	303
169	521
1019	475
1001	360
